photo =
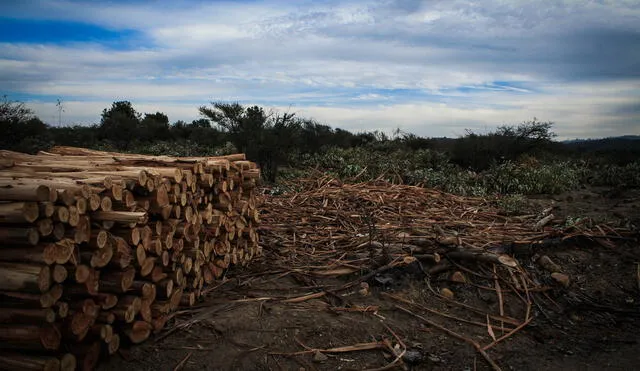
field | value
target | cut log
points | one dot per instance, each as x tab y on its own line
59	273
159	322
117	282
59	232
138	331
24	277
87	356
114	344
146	290
29	337
98	258
106	317
19	212
122	257
106	301
14	361
61	214
99	239
25	192
46	209
68	362
165	288
63	309
19	236
31	316
45	227
120	216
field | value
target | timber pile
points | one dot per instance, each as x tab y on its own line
99	249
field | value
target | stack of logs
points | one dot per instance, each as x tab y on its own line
99	249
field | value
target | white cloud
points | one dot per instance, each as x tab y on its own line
341	61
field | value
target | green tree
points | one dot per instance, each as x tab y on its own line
154	126
507	143
120	123
20	129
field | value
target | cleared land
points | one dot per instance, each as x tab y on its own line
375	276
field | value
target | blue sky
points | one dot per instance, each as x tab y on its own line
433	67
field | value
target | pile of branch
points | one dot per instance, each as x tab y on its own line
99	249
335	229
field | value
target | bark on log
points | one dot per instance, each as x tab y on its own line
25	192
114	344
25	315
117	282
29	337
19	212
68	362
14	361
24	277
19	235
138	331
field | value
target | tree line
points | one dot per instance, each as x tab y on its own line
273	139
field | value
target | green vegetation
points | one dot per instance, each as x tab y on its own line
512	160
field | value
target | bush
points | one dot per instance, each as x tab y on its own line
553	178
615	175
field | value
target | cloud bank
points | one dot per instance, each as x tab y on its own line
432	67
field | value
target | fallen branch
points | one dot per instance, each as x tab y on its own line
455	335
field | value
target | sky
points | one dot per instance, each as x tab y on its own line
433	68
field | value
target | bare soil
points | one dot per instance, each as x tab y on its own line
593	324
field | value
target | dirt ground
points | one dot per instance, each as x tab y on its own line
593	324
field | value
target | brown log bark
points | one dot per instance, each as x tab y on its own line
147	266
106	301
87	306
117	281
127	308
94	202
158	274
164	288
141	255
145	310
14	361
27	315
120	216
106	317
68	362
99	239
59	232
188	299
61	214
159	322
87	356
114	344
25	192
103	331
28	300
63	309
98	258
46	209
106	204
45	227
146	290
59	273
82	205
74	216
80	273
24	277
29	337
19	235
138	331
122	257
19	212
